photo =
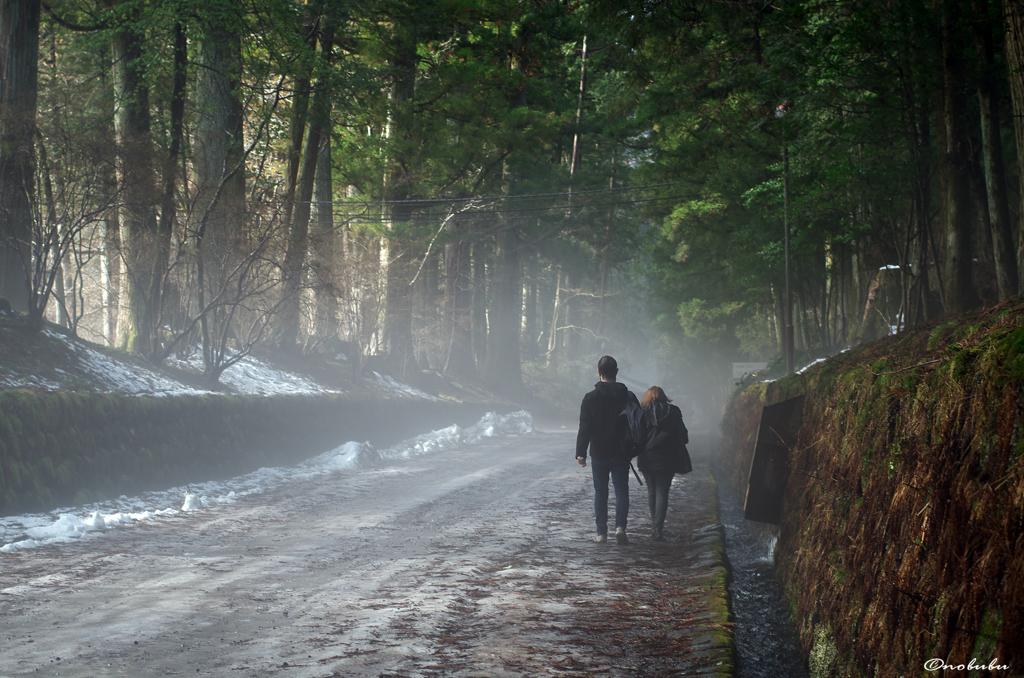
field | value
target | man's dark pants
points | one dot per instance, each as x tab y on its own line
619	471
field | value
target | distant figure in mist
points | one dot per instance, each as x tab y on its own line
600	430
665	436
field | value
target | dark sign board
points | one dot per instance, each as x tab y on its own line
769	469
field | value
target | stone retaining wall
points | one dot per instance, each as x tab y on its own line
901	536
61	449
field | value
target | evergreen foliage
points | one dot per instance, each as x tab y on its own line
503	177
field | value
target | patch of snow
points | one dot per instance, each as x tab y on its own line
29	380
388	384
121	377
192	502
821	360
31	530
809	365
249	376
362	454
254	377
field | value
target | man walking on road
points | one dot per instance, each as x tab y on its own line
600	430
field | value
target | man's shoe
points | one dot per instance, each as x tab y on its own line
601	538
657	535
620	536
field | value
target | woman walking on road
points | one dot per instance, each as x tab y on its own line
665	436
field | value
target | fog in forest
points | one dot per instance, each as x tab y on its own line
499	194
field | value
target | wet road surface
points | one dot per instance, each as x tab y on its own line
470	562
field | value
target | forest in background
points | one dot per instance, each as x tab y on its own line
483	187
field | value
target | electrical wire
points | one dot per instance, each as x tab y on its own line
523	196
490	216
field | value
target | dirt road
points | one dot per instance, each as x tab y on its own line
473	562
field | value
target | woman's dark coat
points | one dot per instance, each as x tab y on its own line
665	434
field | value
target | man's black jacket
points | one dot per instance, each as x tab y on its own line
599	421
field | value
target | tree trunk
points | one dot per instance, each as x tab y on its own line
298	236
296	135
217	165
530	311
603	272
426	336
870	328
923	202
324	252
577	149
992	158
479	319
369	286
417	315
1013	14
137	181
960	294
855	296
397	191
62	316
167	209
298	239
458	306
292	266
779	313
574	316
431	308
19	54
556	312
398	292
110	275
501	369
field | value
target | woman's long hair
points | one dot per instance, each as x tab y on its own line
654	394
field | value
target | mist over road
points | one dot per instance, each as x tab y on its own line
469	562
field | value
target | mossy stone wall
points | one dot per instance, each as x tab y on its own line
903	531
62	449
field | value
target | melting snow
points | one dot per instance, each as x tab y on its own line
250	376
389	384
123	377
254	377
31	530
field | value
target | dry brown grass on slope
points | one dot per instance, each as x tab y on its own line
903	538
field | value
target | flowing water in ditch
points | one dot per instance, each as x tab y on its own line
766	645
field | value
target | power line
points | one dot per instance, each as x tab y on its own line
479	215
494	197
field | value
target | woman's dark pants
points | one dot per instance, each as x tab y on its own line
658	484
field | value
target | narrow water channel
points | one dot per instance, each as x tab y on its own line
766	644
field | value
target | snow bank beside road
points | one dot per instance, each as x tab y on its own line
253	377
353	454
250	376
29	531
121	377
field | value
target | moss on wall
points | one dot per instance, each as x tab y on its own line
61	449
903	531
